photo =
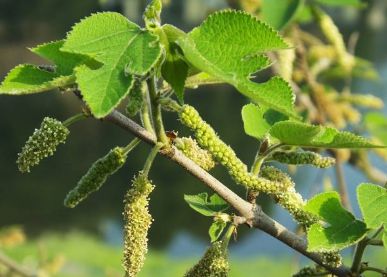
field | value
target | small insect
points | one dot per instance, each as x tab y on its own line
48	68
172	135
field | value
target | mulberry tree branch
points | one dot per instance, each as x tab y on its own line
15	267
254	215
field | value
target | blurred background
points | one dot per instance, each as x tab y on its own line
87	240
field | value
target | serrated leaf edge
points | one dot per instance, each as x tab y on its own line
68	80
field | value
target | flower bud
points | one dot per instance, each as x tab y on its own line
96	176
137	222
304	157
193	151
214	263
42	143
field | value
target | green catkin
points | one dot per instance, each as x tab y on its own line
304	157
286	59
42	143
192	150
135	99
287	196
310	271
333	35
214	263
363	100
96	176
137	222
222	153
276	175
332	259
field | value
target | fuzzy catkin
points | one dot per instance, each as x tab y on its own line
137	222
310	271
286	60
96	176
332	259
363	100
192	150
42	143
274	174
214	263
302	158
333	35
135	99
208	139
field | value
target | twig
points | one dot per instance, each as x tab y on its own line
377	232
376	242
360	247
254	215
369	268
14	266
156	111
74	119
342	186
146	110
151	157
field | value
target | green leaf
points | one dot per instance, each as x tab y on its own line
175	71
202	205
64	62
122	47
27	79
278	13
217	203
216	229
373	204
356	3
229	46
342	230
257	120
307	135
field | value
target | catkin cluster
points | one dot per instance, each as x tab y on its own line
214	263
42	143
304	157
137	222
192	150
96	176
208	139
339	112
